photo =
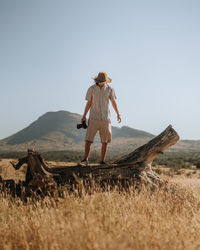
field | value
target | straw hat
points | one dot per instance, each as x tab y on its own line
102	78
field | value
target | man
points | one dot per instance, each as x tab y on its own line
98	97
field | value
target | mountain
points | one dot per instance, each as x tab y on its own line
51	124
57	131
127	132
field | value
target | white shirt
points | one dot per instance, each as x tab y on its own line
100	101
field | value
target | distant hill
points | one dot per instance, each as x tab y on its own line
187	146
57	131
127	132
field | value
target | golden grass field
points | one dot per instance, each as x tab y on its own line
105	220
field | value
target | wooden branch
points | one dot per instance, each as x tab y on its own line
145	154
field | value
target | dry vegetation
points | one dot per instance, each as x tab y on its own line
105	220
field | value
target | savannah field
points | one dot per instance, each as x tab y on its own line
163	219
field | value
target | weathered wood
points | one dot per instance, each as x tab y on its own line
131	169
148	152
135	166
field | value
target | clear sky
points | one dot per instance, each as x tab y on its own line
50	50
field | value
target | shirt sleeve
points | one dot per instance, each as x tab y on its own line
89	95
112	95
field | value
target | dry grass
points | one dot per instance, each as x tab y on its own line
8	172
108	220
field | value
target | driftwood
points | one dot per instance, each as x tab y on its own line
132	169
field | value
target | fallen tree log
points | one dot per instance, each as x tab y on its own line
132	169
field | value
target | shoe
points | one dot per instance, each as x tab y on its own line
84	162
102	163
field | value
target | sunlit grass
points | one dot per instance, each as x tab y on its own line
105	220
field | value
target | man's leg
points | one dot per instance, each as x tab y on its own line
87	149
104	147
90	134
105	135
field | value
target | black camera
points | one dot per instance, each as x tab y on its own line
82	125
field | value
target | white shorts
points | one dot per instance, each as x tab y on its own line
104	128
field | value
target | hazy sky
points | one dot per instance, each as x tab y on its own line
50	50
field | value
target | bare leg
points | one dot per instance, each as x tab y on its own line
87	149
104	147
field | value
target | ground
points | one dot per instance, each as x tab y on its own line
105	220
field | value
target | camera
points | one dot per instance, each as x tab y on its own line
82	125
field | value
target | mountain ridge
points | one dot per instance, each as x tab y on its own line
56	130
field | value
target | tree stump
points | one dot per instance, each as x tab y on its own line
132	169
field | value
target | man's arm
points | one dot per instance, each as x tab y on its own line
87	107
114	104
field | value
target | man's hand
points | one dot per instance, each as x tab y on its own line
83	119
119	119
114	104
